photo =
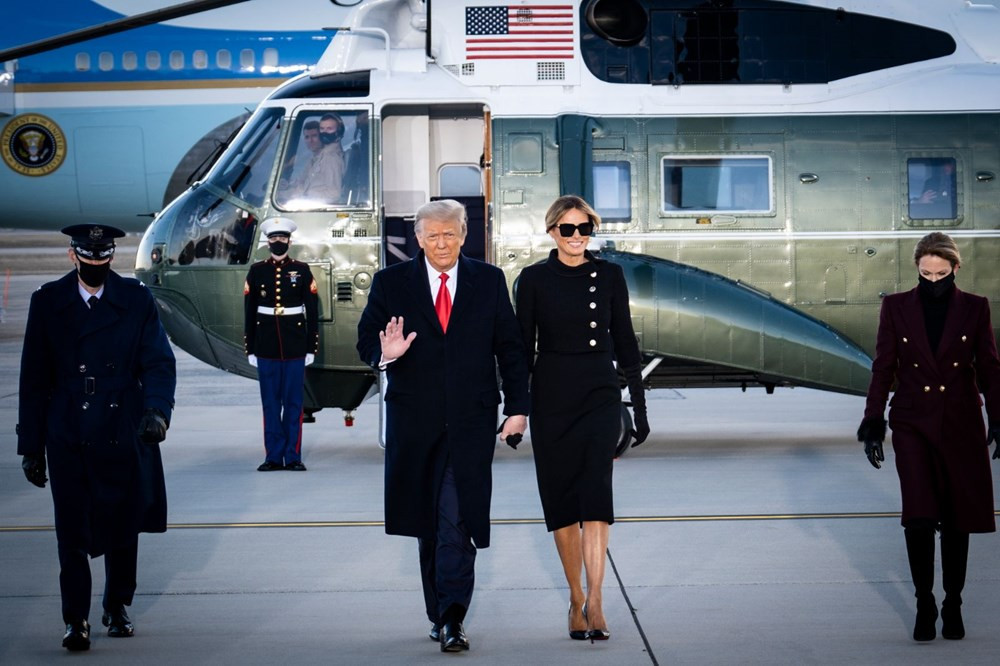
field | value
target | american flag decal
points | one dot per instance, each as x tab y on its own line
531	32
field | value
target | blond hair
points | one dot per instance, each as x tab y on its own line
566	203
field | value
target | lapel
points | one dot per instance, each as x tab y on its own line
464	296
915	330
958	312
420	290
106	313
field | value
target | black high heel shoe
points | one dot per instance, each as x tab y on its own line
596	634
577	634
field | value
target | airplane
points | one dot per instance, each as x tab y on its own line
760	166
113	128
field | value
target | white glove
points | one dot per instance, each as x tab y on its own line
310	358
252	360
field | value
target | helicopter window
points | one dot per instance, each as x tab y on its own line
460	180
223	59
525	153
326	162
210	231
247	166
613	191
739	184
152	60
932	186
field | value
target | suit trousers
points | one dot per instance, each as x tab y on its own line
447	562
75	583
281	398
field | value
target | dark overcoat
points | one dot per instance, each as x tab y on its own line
87	376
442	394
936	412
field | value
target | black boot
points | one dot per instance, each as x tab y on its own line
920	552
954	558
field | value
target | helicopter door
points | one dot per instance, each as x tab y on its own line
431	153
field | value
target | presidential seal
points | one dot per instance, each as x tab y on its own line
33	145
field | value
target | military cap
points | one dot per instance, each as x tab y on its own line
93	241
276	226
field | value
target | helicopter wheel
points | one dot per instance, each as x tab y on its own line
625	434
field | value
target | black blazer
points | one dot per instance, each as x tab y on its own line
442	395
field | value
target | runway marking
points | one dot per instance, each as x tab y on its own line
506	521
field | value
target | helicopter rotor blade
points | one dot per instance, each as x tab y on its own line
112	27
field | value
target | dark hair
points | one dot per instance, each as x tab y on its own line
311	125
566	203
938	245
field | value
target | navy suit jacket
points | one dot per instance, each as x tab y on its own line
443	393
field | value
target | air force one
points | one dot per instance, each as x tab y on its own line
113	128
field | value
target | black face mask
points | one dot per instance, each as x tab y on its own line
939	288
329	137
93	275
278	248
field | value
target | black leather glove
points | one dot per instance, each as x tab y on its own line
872	433
34	469
637	396
511	440
152	427
993	436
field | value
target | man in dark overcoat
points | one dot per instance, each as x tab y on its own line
96	393
439	326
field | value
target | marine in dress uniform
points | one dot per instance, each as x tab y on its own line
936	343
281	337
96	393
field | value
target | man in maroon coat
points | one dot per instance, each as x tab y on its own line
936	342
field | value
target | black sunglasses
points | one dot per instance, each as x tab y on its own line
585	229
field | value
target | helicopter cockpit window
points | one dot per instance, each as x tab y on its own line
210	231
245	171
932	187
613	191
711	184
326	162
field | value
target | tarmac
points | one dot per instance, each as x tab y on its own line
750	530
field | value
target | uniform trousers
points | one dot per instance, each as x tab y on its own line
281	398
447	562
74	578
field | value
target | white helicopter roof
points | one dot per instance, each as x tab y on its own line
388	38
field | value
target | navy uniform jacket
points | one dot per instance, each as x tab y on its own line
86	379
443	391
280	284
936	412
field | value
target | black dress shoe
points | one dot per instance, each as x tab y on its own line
296	466
118	623
77	636
453	637
435	633
268	466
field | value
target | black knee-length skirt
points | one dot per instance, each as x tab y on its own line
575	422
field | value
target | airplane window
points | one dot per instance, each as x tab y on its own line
82	62
153	60
210	231
223	59
613	191
105	61
326	162
176	60
246	59
932	188
130	60
740	184
270	57
460	180
199	59
247	166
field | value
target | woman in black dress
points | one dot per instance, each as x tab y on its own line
935	343
575	306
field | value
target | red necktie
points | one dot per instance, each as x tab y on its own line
443	303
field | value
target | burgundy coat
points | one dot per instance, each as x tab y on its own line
936	413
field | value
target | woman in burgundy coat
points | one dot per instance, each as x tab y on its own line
936	342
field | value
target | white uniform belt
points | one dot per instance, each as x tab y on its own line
298	309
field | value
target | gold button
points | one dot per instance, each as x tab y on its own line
905	340
955	364
593	306
593	343
964	338
916	365
593	324
941	388
927	389
278	290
